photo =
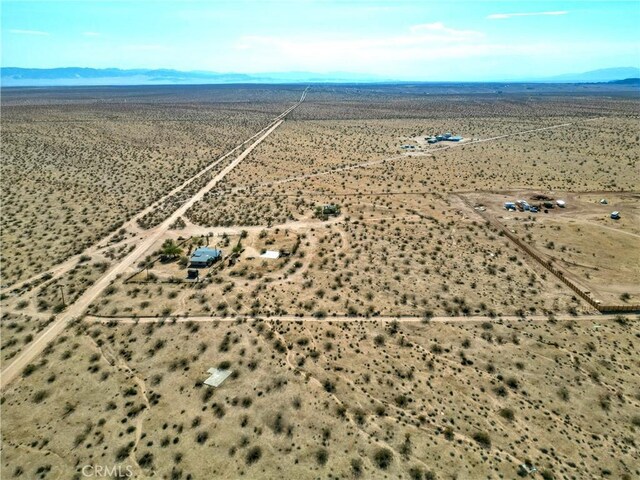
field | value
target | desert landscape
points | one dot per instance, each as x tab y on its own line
379	306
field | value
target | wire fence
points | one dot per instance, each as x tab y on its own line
549	266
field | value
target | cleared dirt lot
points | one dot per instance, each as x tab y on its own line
595	251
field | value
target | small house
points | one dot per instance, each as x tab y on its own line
204	257
615	215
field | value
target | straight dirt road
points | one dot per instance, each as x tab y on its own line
148	239
345	318
69	263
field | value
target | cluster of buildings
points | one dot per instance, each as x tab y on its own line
443	137
524	206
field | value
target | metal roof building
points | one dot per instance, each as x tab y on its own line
204	257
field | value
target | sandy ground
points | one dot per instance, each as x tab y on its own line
78	308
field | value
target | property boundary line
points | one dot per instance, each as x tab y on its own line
559	274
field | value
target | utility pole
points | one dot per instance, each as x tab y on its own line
62	293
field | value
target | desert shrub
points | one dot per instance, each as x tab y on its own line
202	437
448	433
501	391
383	458
483	439
123	452
563	393
329	386
356	467
322	456
359	416
507	413
40	395
512	382
416	473
253	455
59	307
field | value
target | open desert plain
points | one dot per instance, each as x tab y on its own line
415	281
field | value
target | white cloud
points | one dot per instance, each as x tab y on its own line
432	51
502	16
91	34
27	32
424	37
439	27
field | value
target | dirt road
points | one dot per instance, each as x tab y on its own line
371	163
131	224
148	239
344	318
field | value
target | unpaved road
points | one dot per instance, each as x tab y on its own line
63	267
344	318
370	163
148	239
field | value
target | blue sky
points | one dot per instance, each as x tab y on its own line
404	39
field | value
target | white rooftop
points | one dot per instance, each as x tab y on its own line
217	376
271	254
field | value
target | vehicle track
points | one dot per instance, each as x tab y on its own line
370	163
147	240
346	318
63	267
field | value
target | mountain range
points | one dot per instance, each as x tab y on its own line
75	76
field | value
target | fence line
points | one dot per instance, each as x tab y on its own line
548	265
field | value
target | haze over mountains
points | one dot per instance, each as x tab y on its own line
75	76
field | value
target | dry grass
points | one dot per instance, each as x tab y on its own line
310	399
73	173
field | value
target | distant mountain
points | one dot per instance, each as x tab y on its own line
72	76
75	76
626	81
601	75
